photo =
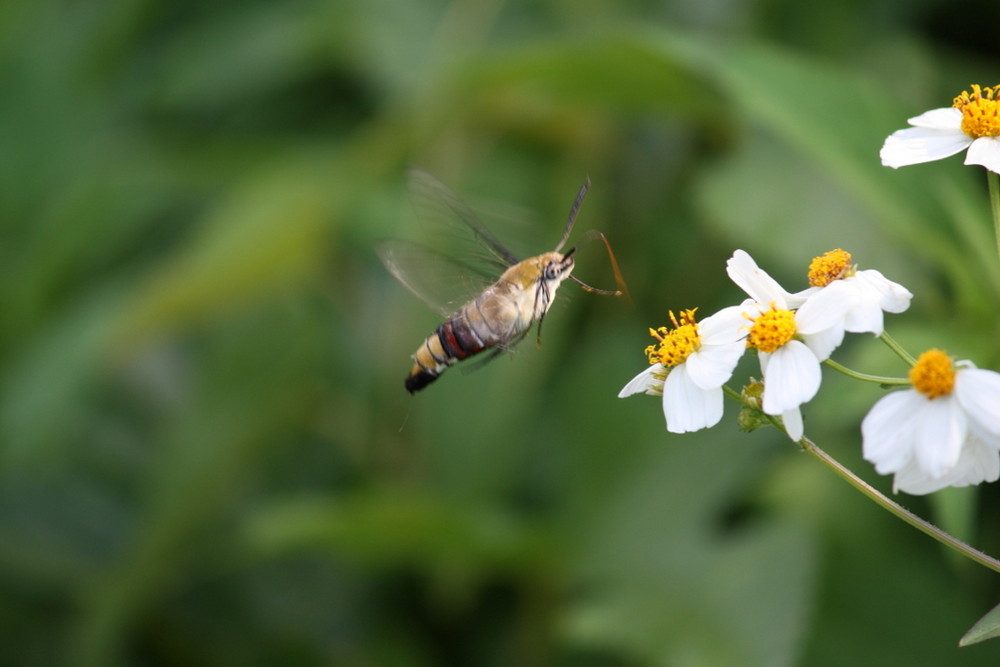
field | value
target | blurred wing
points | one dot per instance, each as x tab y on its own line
454	227
442	282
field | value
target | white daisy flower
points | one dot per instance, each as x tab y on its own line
852	300
791	344
689	365
972	122
945	431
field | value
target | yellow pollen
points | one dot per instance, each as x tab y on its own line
675	345
980	111
772	329
933	374
830	266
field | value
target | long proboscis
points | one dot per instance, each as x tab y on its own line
622	290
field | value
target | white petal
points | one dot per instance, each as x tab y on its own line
916	144
887	430
791	378
985	151
865	316
946	118
824	343
643	382
798	298
713	365
913	480
825	308
764	358
792	419
978	431
978	463
873	293
978	392
726	326
688	408
894	297
941	432
753	280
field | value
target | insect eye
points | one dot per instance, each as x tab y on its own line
551	271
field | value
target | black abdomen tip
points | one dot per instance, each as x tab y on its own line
418	381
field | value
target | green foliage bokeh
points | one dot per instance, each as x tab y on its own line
206	452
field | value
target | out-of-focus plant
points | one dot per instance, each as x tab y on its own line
943	431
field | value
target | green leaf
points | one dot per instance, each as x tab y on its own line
617	73
985	628
265	236
834	121
675	586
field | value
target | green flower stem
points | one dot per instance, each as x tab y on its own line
874	494
897	348
993	180
895	508
865	377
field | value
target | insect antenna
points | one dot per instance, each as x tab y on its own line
573	212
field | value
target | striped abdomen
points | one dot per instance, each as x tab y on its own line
453	341
500	316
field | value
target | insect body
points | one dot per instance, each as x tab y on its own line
494	318
497	318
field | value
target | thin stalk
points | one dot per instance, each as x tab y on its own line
895	508
993	180
881	499
865	377
897	348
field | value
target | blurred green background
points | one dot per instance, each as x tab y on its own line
207	456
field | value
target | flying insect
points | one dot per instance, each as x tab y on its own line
493	318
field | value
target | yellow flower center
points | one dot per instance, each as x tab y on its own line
675	345
772	329
830	266
980	111
933	374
